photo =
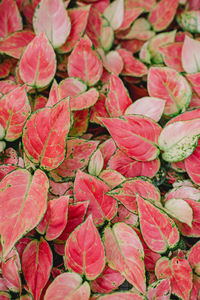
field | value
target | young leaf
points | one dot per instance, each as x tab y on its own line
125	254
84	251
169	85
95	163
68	285
189	20
158	229
126	193
88	187
19	199
14	110
37	261
84	62
129	135
51	18
37	65
115	13
179	272
160	289
163	14
44	135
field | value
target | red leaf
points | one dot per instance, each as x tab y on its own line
76	215
132	66
193	257
163	14
19	200
98	110
108	281
55	218
44	135
84	251
71	87
129	167
51	18
14	110
160	289
78	18
172	55
126	193
79	152
167	84
68	285
5	169
130	15
129	135
111	177
80	125
84	100
125	254
37	65
10	19
84	62
124	215
117	100
15	43
159	231
4	296
88	187
53	95
37	260
146	4
122	296
107	148
179	272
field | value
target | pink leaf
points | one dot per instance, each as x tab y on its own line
79	152
14	110
15	211
81	120
55	218
84	251
53	95
84	62
96	163
102	206
38	63
71	87
10	19
51	18
179	272
15	43
194	80
146	4
169	85
163	14
129	135
160	289
190	55
127	190
84	100
44	135
111	177
118	99
172	55
98	110
125	254
68	284
37	260
122	296
193	257
159	231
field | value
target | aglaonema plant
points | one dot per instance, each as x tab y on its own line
99	149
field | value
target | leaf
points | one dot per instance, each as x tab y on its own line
131	138
84	100
34	70
15	43
180	210
79	152
84	62
130	15
132	66
160	289
189	20
98	110
44	135
158	230
118	99
84	251
147	106
55	218
10	19
95	163
190	55
37	261
122	296
127	190
80	124
146	4
193	258
5	296
124	215
19	199
102	206
14	110
194	80
111	177
115	13
192	164
53	95
78	19
51	18
129	167
183	192
179	272
172	55
108	281
169	85
68	285
125	254
178	140
163	14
